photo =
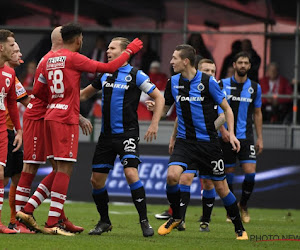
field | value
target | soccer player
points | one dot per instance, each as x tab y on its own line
244	97
7	101
121	92
208	197
195	94
35	155
14	162
61	74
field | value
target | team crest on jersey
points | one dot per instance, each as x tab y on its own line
251	90
128	78
200	87
7	82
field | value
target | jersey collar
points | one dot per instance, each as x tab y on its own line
125	68
233	79
197	75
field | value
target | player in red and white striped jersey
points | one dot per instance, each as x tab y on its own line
61	74
7	100
14	162
35	153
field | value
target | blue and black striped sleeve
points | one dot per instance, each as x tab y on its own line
169	100
215	90
257	101
96	83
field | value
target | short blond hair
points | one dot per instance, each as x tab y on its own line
123	41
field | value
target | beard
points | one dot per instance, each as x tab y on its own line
242	73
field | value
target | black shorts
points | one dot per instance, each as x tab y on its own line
14	164
247	153
204	156
108	147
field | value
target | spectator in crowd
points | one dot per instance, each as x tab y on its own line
197	42
230	72
254	59
236	47
146	56
276	110
28	77
156	76
160	80
98	54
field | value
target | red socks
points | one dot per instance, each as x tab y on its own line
41	193
58	197
23	190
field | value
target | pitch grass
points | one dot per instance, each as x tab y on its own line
126	233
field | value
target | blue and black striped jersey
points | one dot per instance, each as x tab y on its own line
195	101
120	98
242	98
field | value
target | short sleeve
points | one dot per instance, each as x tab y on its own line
143	82
257	101
215	90
169	100
96	83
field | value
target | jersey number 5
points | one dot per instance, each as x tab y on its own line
57	79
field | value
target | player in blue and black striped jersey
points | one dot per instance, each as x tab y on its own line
244	97
195	94
120	133
208	67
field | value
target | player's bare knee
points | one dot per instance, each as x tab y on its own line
249	168
131	175
186	179
221	188
98	180
207	184
30	168
93	182
229	170
173	178
5	181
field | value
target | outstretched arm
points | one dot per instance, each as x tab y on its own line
87	93
132	48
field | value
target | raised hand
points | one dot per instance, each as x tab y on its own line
135	46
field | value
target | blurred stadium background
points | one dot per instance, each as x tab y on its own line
272	27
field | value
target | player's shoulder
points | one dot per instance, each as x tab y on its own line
175	77
140	73
20	90
63	53
44	59
255	85
254	82
8	71
226	81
